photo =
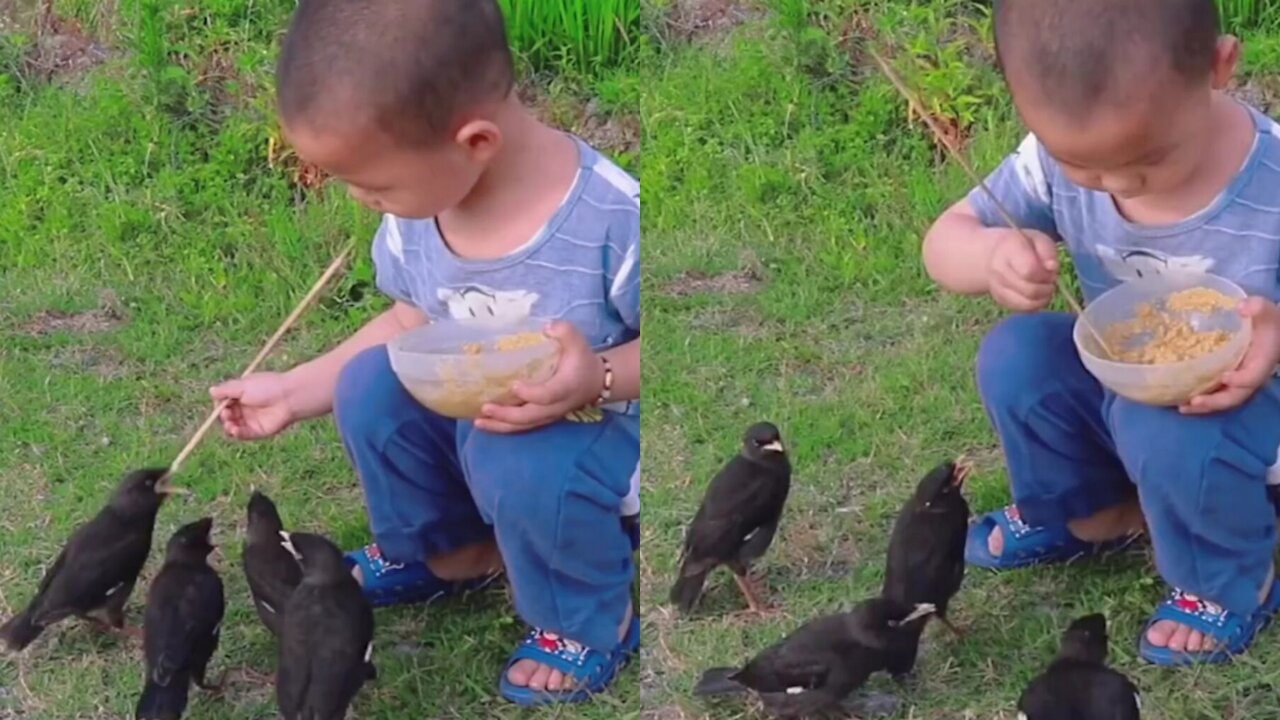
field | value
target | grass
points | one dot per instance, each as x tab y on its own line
147	249
785	199
586	35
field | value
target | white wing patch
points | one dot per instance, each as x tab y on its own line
1022	716
1137	701
267	606
795	690
368	653
1030	170
114	590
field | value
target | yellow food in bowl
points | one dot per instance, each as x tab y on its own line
1171	336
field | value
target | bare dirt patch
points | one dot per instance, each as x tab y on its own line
700	19
102	363
697	282
1260	91
109	315
61	49
610	133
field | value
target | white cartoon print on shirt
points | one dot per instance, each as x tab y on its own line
1133	264
477	302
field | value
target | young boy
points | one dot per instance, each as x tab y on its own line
1140	164
486	213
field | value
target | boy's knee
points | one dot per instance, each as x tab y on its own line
1015	354
531	473
363	383
1161	446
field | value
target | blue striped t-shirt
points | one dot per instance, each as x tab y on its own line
1237	236
583	266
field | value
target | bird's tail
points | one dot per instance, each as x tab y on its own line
718	681
684	594
20	631
163	702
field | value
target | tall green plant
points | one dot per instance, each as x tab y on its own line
1243	15
583	35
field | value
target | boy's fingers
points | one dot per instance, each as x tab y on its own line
498	426
227	391
1047	252
515	414
1253	307
542	394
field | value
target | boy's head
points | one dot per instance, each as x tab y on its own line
396	98
1119	92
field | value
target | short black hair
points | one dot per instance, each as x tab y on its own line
1086	52
407	67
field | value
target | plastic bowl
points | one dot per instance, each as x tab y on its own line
1170	384
454	367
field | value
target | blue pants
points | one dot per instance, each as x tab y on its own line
552	497
1074	448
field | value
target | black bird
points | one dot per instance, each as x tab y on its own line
926	550
94	574
326	648
815	669
183	623
738	517
1078	685
272	572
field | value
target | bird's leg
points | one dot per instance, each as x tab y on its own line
114	626
750	593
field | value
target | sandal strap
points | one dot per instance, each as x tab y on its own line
592	670
375	562
563	654
1202	616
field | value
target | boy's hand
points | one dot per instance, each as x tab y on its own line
1022	276
259	406
577	382
1255	369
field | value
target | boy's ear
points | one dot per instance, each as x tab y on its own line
1226	59
479	139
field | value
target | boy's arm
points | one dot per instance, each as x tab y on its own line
311	385
971	249
957	250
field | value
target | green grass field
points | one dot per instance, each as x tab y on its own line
786	196
148	247
150	241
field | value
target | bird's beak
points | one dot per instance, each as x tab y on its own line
962	473
921	610
165	486
775	446
287	542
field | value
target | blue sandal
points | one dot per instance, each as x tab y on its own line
1234	633
593	670
386	584
1025	546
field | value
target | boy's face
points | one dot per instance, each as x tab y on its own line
1148	147
1150	142
388	177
